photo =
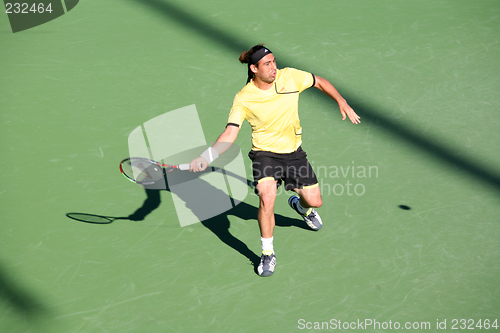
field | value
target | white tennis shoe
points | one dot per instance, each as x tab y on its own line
312	218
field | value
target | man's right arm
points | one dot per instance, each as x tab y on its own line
225	140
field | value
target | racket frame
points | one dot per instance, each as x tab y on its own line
147	160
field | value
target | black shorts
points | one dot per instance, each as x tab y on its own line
293	169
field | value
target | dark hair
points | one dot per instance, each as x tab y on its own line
245	58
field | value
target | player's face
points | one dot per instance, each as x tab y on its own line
266	69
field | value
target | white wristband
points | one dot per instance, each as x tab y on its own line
210	154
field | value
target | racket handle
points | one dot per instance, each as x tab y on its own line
184	167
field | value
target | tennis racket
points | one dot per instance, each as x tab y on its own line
144	171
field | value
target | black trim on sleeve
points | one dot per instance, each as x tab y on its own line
314	80
232	124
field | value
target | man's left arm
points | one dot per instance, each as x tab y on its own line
345	110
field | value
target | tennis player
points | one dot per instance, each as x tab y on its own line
269	102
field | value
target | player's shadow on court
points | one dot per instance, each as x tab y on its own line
219	225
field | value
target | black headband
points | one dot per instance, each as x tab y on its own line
254	59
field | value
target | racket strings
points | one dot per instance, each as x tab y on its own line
143	172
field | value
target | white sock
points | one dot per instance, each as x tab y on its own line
301	209
267	244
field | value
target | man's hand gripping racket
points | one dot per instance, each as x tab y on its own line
203	161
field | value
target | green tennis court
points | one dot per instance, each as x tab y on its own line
411	196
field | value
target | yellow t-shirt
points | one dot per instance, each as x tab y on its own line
273	114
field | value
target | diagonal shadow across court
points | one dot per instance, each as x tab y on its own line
452	156
13	294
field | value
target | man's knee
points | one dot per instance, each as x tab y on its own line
311	196
267	198
267	192
316	202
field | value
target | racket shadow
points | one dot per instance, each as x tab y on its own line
152	202
93	219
